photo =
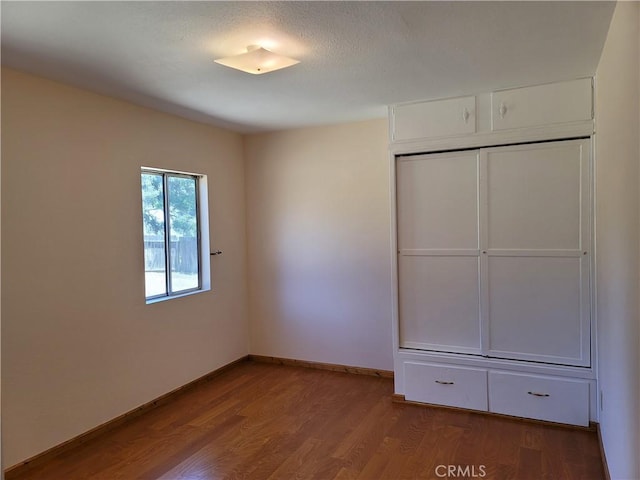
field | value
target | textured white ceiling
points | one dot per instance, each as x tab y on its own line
356	57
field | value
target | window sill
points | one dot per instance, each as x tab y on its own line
179	295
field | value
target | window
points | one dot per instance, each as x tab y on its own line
173	219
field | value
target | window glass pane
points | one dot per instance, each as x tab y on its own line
154	244
183	224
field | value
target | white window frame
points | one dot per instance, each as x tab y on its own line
202	213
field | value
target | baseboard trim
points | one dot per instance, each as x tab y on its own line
52	452
322	366
603	456
399	398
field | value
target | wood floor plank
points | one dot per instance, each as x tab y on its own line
529	464
414	462
293	464
346	474
261	421
169	454
267	460
377	464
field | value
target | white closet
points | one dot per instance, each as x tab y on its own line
493	265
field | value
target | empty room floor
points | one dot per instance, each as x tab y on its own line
265	421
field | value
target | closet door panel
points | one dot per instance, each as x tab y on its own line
535	197
439	303
437	201
536	309
438	254
536	210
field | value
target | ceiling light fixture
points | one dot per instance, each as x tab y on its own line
257	60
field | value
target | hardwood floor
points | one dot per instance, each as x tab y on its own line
265	422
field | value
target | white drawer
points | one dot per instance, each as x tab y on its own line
554	399
549	104
440	118
444	385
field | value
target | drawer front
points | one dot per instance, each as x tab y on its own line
441	118
544	398
445	385
550	104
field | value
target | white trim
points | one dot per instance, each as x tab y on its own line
483	242
394	249
153	300
512	252
594	272
439	252
444	358
440	348
488	139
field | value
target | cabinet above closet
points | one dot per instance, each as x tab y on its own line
535	113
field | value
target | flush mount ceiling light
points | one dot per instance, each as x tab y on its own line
257	61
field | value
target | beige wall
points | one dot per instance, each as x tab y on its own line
318	244
617	237
79	345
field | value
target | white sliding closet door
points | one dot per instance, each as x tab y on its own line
535	217
494	252
438	252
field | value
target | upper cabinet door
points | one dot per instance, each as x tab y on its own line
542	105
441	118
